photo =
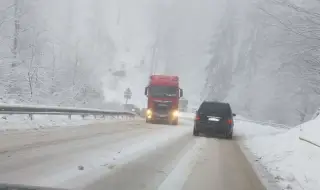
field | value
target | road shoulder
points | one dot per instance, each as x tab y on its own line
260	171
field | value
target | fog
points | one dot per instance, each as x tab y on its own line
261	56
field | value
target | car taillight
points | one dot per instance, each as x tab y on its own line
229	121
197	118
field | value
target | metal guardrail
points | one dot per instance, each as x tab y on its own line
309	141
46	110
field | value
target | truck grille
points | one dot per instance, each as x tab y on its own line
162	107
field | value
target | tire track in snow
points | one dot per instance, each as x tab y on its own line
130	150
48	142
181	172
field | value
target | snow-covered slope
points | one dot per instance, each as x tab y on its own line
132	31
292	156
85	59
181	47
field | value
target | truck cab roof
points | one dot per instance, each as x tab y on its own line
167	80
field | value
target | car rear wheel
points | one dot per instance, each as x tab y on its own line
195	132
229	135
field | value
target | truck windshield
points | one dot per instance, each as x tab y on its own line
163	91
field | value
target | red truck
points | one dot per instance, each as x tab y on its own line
163	94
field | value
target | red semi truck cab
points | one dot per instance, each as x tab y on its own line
163	94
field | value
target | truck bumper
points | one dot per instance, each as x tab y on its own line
163	119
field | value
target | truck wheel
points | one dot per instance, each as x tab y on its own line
175	122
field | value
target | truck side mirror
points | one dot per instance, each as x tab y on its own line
181	92
146	91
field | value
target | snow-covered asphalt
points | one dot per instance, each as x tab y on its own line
125	155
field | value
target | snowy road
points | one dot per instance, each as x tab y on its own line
124	155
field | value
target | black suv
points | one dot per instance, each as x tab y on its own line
214	118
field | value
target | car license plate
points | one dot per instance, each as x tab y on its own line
213	119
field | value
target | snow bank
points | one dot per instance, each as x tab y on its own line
294	163
248	130
186	115
22	122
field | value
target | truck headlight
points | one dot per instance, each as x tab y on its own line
175	113
149	112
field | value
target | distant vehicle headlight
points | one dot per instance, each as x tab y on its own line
175	113
133	110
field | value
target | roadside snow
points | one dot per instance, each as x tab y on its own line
293	163
186	115
247	129
23	122
310	130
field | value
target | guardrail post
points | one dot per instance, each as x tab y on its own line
31	116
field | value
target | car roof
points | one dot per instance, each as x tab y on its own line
215	106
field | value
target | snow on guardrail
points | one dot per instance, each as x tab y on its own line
16	117
49	110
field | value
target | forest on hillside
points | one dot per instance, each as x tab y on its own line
265	59
259	55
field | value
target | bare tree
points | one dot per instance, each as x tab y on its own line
17	13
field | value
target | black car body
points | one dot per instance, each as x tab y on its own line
214	118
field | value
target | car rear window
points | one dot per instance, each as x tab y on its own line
215	108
